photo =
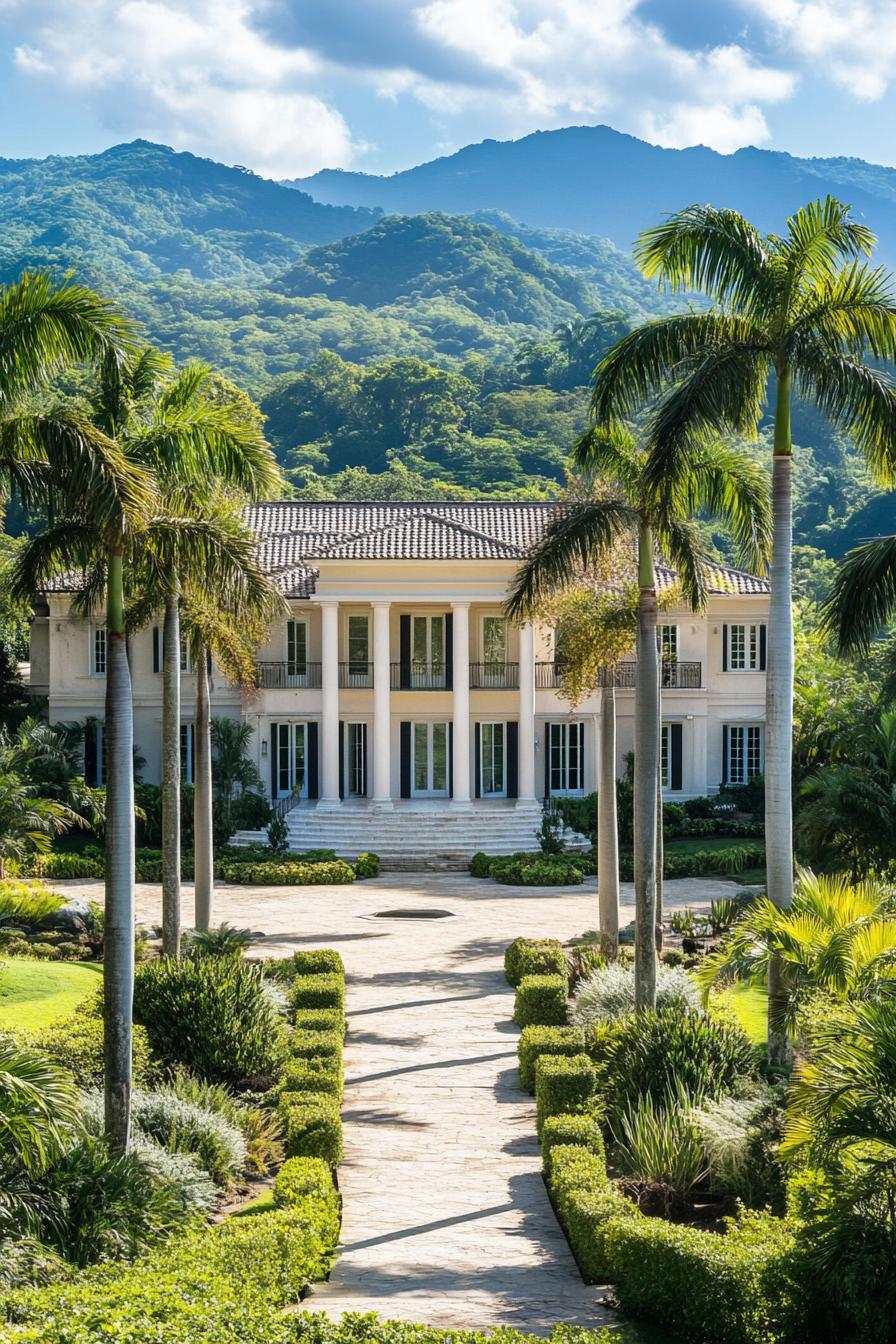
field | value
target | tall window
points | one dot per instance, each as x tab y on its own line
428	650
743	752
98	651
186	752
665	755
566	757
668	641
494	640
186	662
745	648
296	648
358	646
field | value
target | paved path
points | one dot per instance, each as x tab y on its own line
446	1219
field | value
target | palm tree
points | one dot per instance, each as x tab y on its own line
838	936
643	516
800	311
28	821
863	599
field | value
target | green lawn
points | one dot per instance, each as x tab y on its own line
750	1002
695	844
34	993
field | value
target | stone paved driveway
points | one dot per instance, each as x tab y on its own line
446	1219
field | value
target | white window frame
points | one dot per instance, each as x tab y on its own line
430	791
349	661
288	735
744	729
666	755
186	662
187	751
667	637
355	770
492	724
296	678
99	639
566	728
749	656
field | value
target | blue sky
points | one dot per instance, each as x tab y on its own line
290	86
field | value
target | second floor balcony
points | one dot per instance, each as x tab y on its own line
436	676
676	676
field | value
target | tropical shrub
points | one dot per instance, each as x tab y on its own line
577	1131
311	1126
540	1001
586	1204
258	1125
654	1052
659	1145
609	993
739	1288
185	1127
223	941
564	1085
194	1187
740	1138
214	1016
272	874
76	1044
27	904
549	870
367	864
326	990
533	956
536	1041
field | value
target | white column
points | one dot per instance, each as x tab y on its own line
526	769
461	706
382	714
329	703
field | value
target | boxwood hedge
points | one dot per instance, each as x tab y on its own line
533	956
540	1001
536	1041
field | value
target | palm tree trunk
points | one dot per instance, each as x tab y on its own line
607	827
202	805
171	778
646	769
779	707
118	936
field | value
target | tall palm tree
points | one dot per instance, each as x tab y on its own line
863	598
797	313
645	516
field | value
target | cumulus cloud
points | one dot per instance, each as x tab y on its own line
852	42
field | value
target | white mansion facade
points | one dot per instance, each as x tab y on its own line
398	710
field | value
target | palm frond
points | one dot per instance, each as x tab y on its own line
717	252
680	539
862	601
577	537
67	547
858	399
731	485
614	453
820	235
851	311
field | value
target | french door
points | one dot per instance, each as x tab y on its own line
292	760
429	744
427	652
296	655
494	650
356	760
493	760
566	758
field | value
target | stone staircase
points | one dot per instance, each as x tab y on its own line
416	836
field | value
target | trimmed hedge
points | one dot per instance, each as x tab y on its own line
367	864
740	1288
313	1075
318	961
217	1284
541	1001
536	1041
571	1131
311	1125
301	1178
320	1019
725	862
533	956
587	1205
316	1045
326	990
267	874
564	1085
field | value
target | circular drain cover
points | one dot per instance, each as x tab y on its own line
414	914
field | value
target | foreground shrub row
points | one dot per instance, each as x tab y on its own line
255	866
310	1091
569	869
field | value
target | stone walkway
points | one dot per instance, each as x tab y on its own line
446	1219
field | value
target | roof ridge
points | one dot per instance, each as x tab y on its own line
474	532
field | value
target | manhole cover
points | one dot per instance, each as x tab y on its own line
414	914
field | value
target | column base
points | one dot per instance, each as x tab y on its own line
461	804
329	804
382	805
527	805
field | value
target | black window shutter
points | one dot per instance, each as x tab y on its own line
341	759
724	753
156	649
450	759
513	760
274	759
364	749
312	765
449	650
547	760
404	657
675	739
90	760
724	648
477	730
762	643
405	756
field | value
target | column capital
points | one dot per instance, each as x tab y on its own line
327	601
460	606
381	603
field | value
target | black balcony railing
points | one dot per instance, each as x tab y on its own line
494	676
420	677
676	676
289	676
355	676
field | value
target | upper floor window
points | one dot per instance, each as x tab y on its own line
743	648
668	643
358	642
296	648
186	662
742	752
98	651
494	639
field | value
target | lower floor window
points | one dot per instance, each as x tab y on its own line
743	752
671	756
187	741
566	757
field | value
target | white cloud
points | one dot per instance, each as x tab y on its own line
194	73
852	42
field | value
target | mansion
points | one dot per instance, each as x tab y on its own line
396	709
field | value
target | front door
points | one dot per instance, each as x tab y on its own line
493	760
292	760
427	652
356	760
430	761
566	764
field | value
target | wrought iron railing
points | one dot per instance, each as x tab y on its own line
676	675
289	676
494	676
411	676
355	676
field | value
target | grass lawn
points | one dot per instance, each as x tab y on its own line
750	1002
695	844
34	993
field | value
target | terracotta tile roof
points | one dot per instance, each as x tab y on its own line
296	537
